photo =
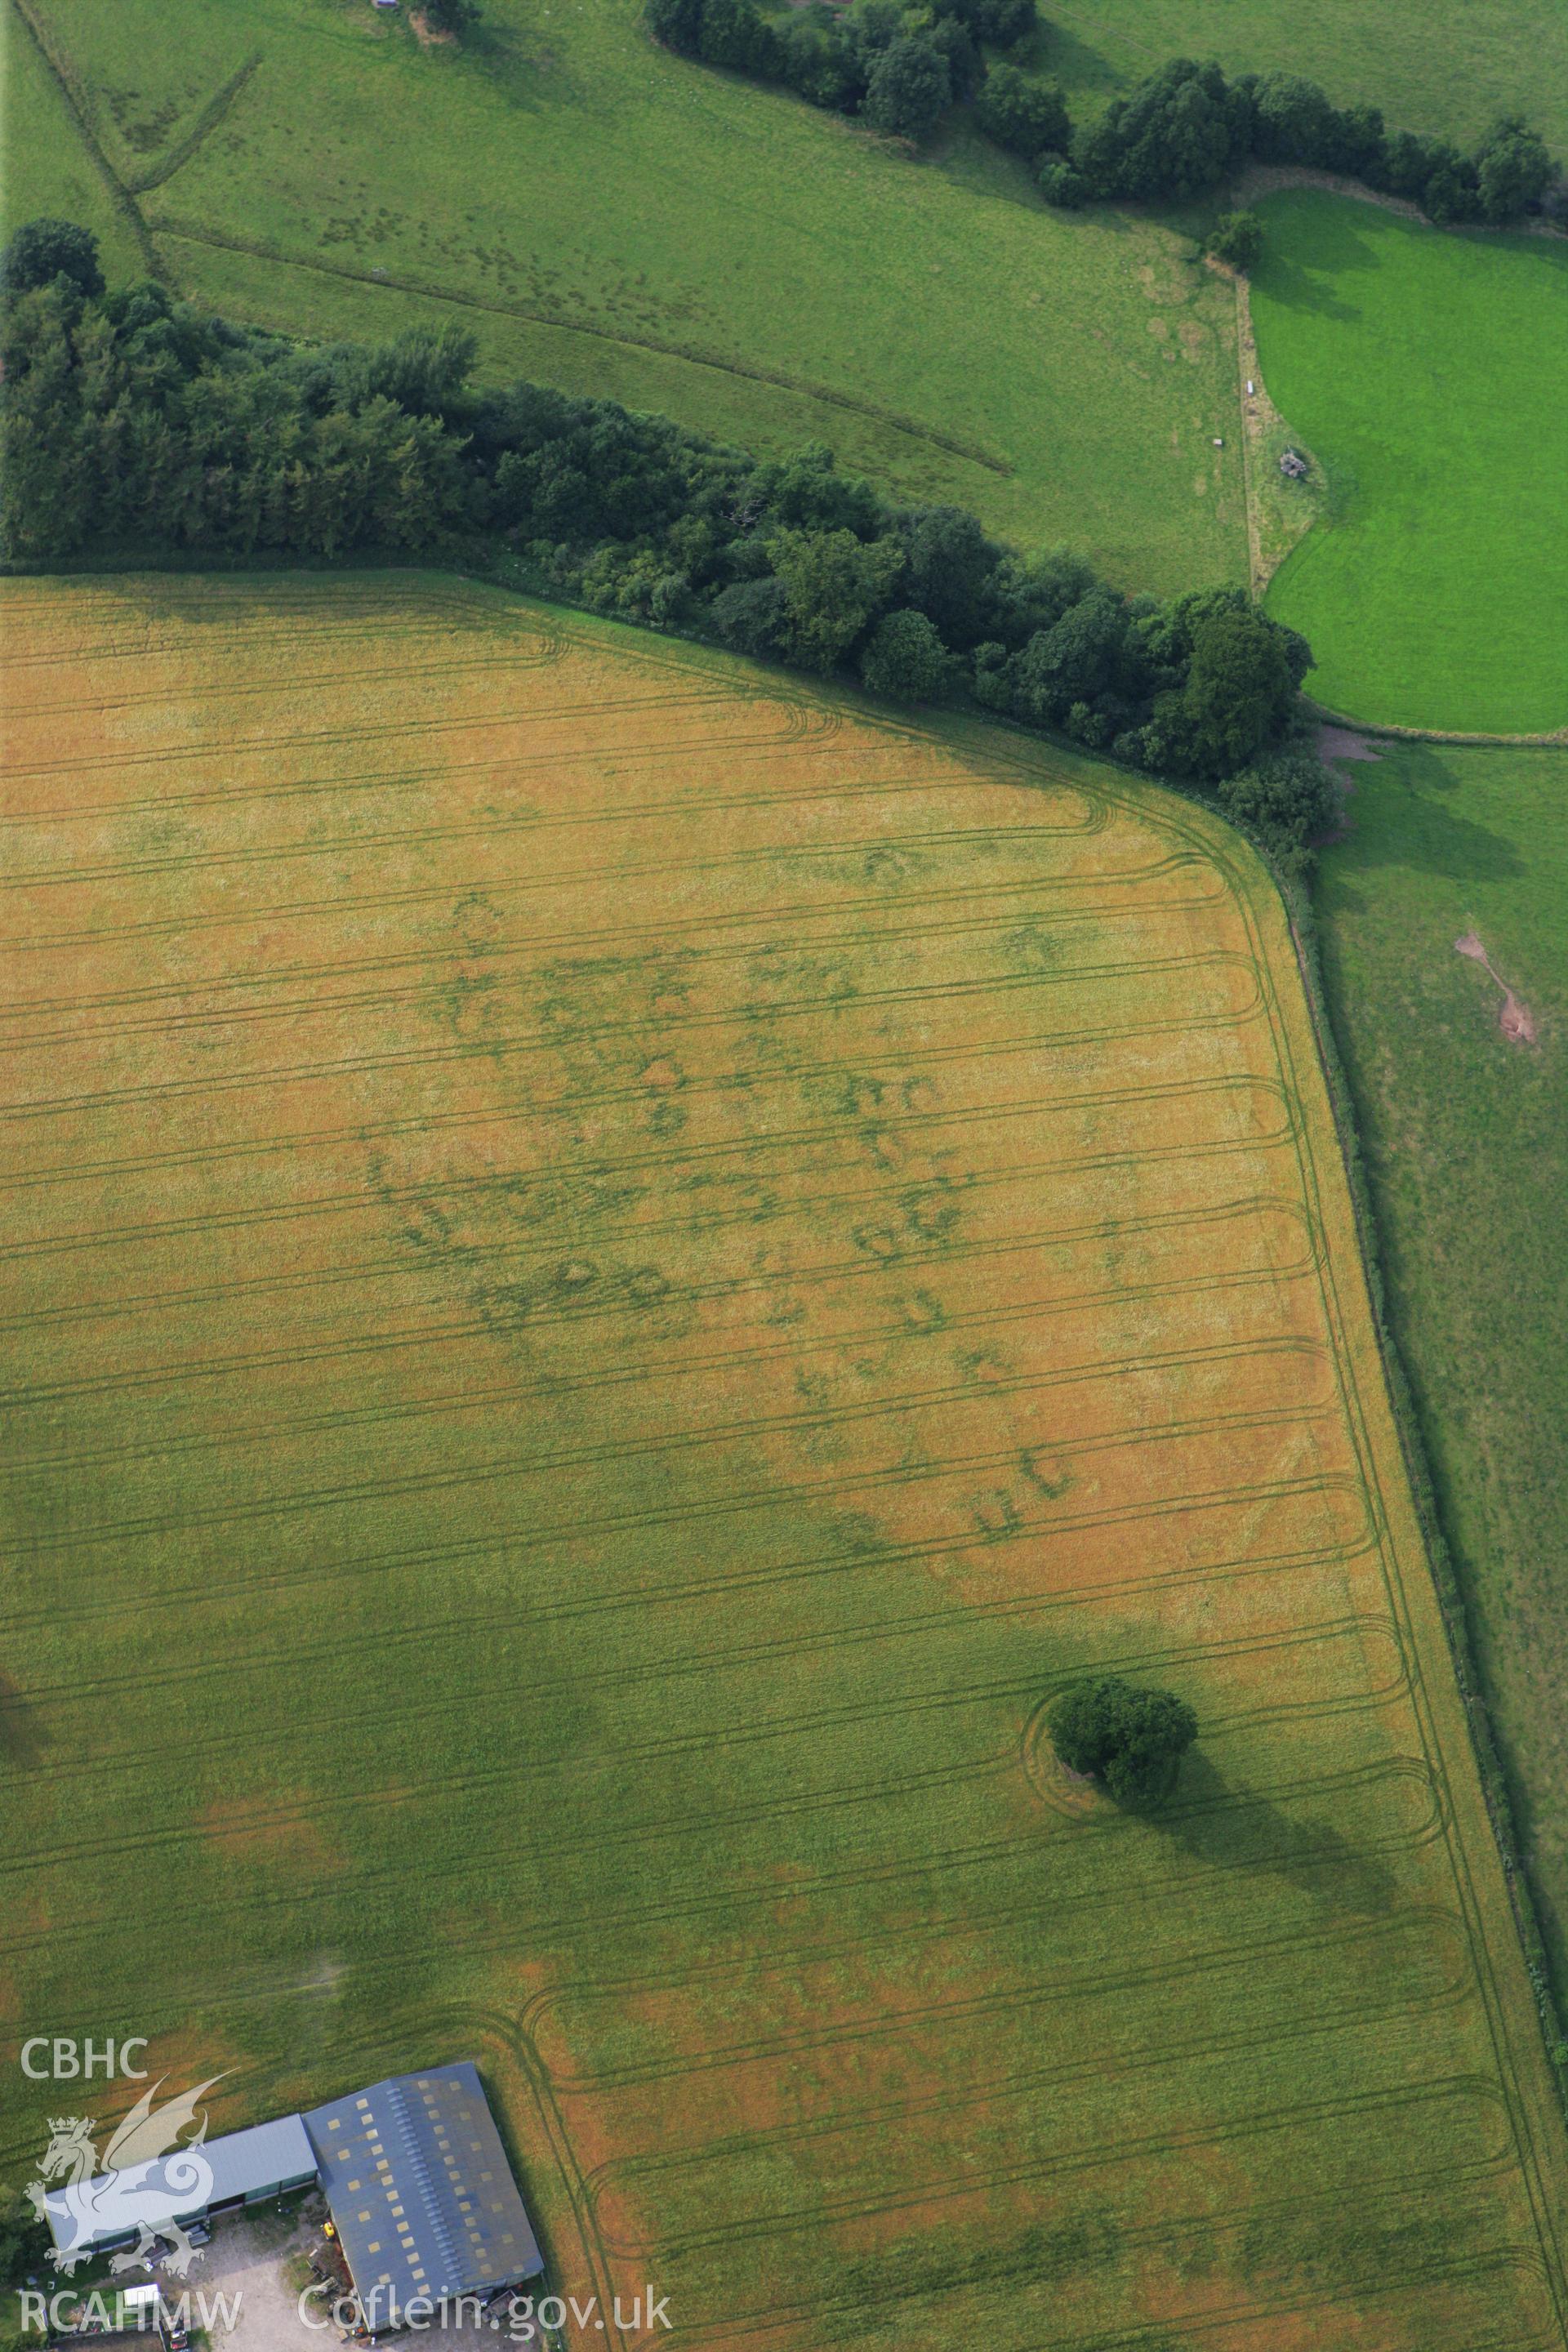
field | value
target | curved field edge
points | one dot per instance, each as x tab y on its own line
1418	365
1381	732
1461	1821
1286	921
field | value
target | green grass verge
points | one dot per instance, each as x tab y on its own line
1425	371
1466	1150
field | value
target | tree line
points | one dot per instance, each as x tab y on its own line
901	66
132	421
1187	128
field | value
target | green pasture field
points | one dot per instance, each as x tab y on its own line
1445	67
49	168
1466	1144
1425	371
607	217
611	219
615	1268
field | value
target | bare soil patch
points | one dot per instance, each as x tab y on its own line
260	1832
1337	747
1336	744
1263	179
1514	1019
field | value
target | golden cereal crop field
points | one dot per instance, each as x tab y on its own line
615	1270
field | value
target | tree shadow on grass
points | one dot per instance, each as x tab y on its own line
1294	288
532	76
1065	58
1339	250
1232	1828
1414	828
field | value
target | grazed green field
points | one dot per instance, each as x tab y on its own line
613	1272
1466	1141
612	220
1425	371
594	208
47	166
1443	66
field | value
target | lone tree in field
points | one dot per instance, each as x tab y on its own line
1131	1740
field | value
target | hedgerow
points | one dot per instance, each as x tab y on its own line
901	65
132	421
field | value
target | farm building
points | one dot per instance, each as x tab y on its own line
420	2189
267	2161
415	2174
243	2168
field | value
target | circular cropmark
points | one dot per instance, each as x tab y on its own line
1074	1795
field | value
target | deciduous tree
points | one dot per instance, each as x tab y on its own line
906	659
1129	1740
677	23
45	249
1238	692
1237	240
834	585
454	16
911	89
1171	138
1021	113
1512	168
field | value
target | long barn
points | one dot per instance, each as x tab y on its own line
421	2194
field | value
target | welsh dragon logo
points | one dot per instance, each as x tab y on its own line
145	2181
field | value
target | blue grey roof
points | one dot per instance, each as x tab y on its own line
269	2156
420	2189
182	2184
